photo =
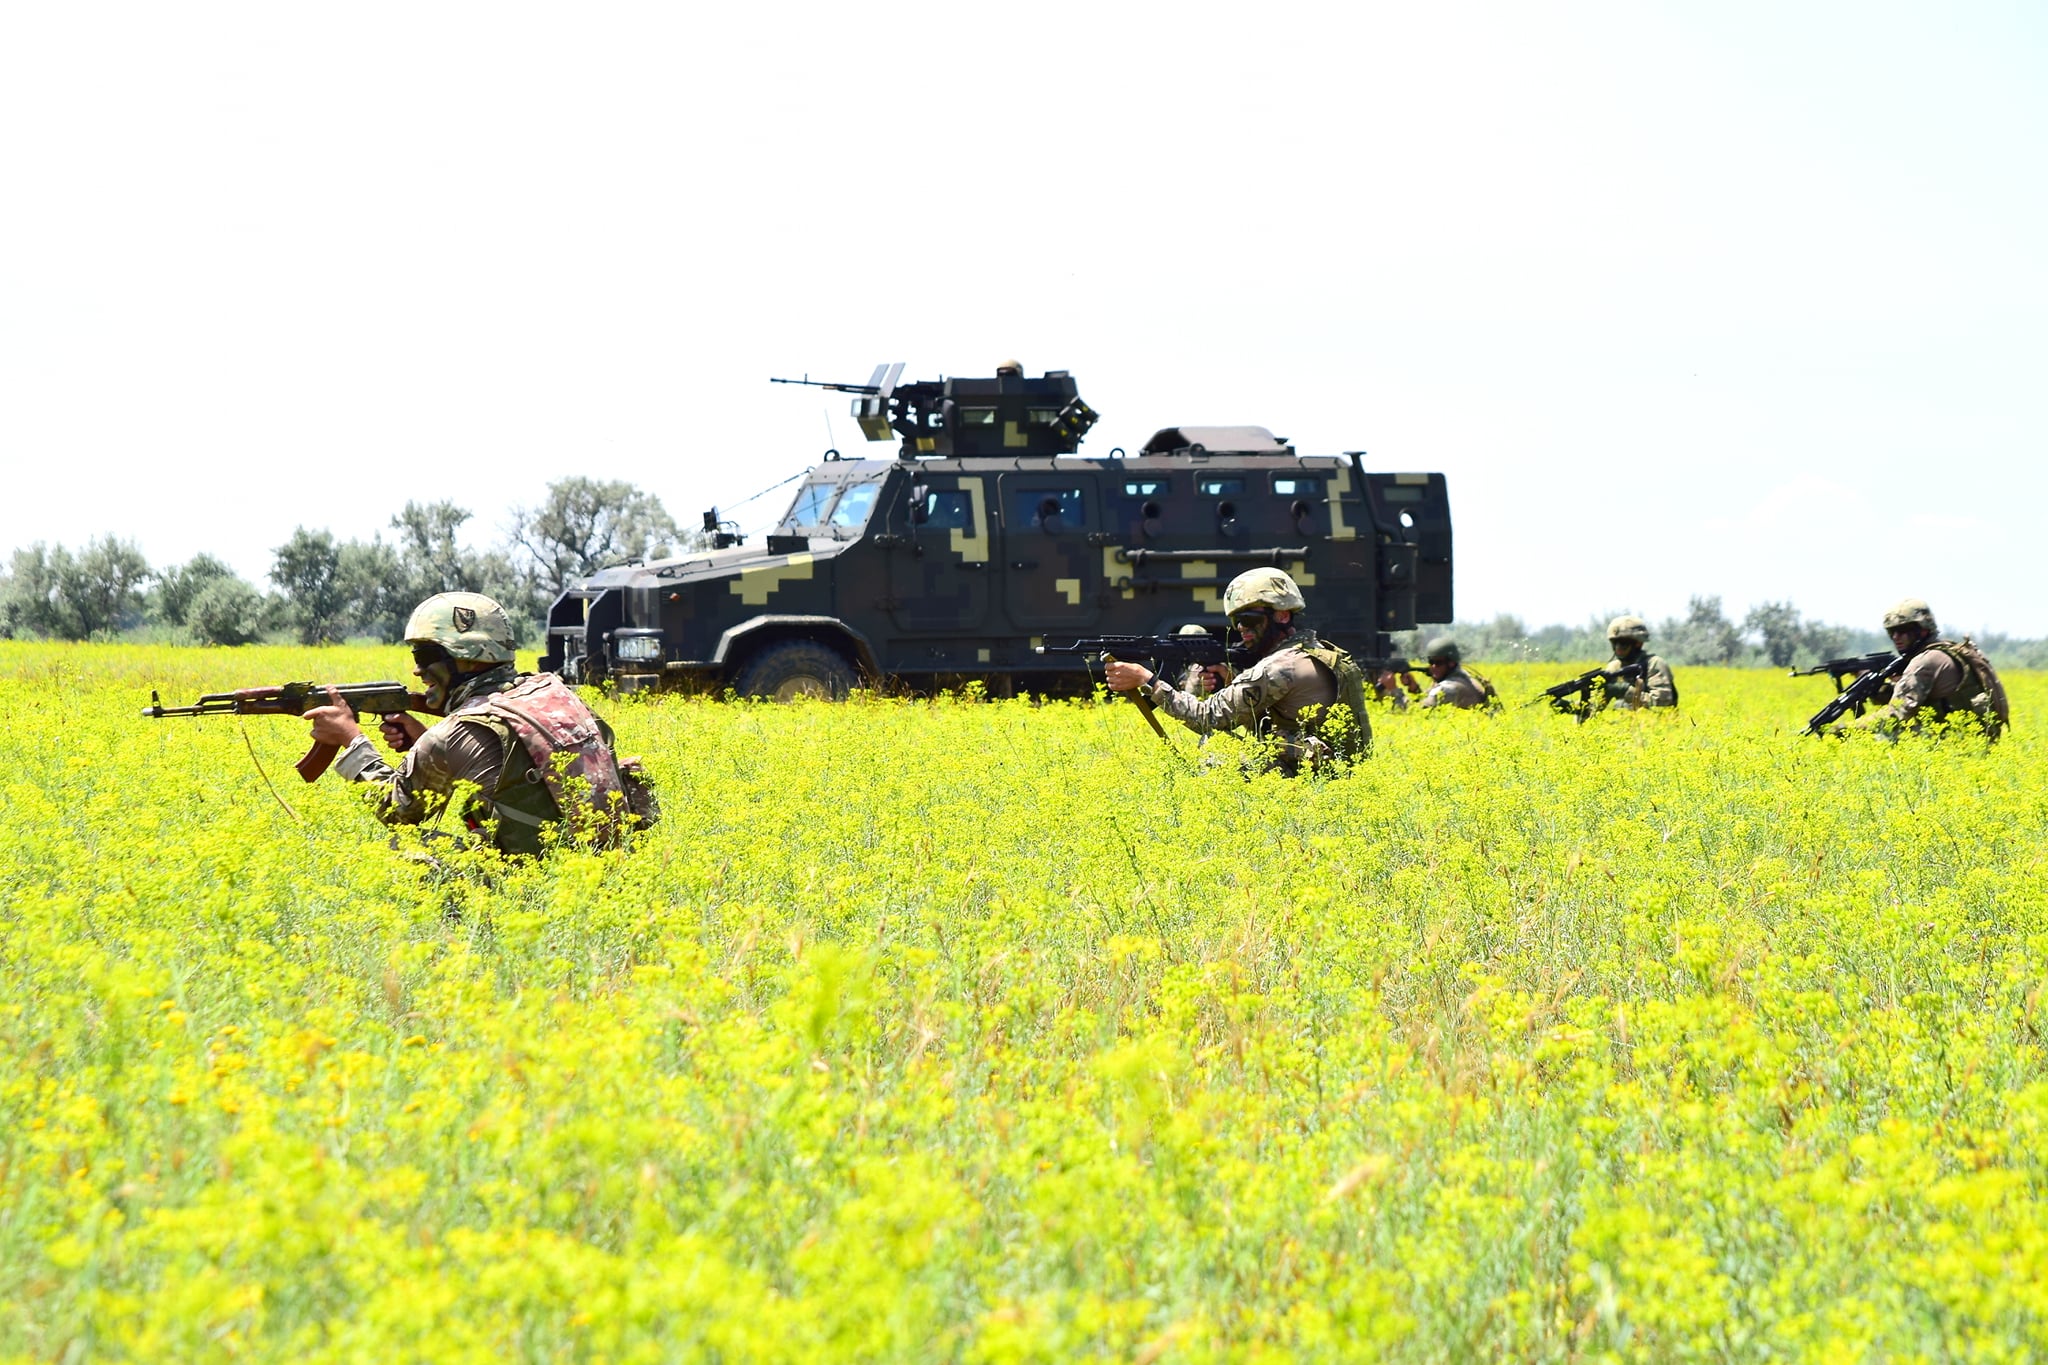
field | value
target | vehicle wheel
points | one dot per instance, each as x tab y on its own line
796	668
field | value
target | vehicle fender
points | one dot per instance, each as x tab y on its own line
733	641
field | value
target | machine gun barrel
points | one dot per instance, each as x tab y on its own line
836	388
295	699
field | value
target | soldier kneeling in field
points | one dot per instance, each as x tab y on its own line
1942	680
1453	684
1629	637
526	743
1305	696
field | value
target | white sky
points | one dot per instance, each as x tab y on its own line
1735	298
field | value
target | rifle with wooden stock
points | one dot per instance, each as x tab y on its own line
295	699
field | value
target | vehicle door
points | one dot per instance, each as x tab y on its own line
939	551
1051	568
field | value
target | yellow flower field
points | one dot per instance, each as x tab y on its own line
979	1031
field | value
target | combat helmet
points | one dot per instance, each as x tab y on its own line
1445	648
1628	628
1271	588
1192	629
1909	611
470	626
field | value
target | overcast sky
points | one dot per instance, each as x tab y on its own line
1730	298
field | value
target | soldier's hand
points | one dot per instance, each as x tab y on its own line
401	731
334	723
1216	676
1123	677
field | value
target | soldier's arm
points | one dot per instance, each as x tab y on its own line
451	752
1922	678
1235	707
1659	687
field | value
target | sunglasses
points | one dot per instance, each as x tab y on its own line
1251	620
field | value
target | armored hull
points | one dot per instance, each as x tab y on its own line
931	568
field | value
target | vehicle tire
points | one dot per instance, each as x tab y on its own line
796	668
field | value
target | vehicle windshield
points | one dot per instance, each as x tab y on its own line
812	502
851	511
829	507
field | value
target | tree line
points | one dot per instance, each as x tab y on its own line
322	589
1770	634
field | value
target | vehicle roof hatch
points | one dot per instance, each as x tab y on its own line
1216	441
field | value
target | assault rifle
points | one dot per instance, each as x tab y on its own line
1857	694
1574	696
1161	652
1372	668
295	699
1839	671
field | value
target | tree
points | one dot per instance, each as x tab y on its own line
225	611
1785	637
176	587
1704	635
105	586
306	570
54	593
1776	626
33	602
375	590
433	561
584	525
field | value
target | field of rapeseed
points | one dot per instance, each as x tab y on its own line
981	1031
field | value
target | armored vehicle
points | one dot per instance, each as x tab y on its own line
986	536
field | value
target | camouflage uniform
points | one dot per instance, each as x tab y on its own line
1459	688
526	743
479	744
1657	688
1283	696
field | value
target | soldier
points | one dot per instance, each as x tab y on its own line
1308	697
1454	684
514	737
1395	686
1628	635
1942	679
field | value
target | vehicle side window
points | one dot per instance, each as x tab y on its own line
949	510
1297	485
1144	488
1048	509
1220	487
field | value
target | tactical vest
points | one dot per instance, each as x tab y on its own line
562	765
1351	741
1485	686
1980	694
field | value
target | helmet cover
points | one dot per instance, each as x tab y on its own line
468	625
1271	588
